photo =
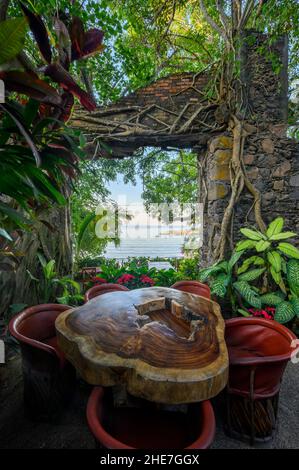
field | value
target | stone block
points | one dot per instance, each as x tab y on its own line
253	173
249	159
220	173
278	185
223	157
282	169
268	146
217	191
221	142
294	180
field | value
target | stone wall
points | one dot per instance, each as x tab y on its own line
271	159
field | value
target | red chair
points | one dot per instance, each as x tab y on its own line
101	289
48	378
258	350
193	287
148	427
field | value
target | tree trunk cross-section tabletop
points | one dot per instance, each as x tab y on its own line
164	345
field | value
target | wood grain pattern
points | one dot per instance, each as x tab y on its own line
164	345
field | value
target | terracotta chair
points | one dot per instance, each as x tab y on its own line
101	289
48	378
148	427
258	350
193	287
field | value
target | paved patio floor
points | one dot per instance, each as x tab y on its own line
72	432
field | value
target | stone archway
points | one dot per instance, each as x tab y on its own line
174	112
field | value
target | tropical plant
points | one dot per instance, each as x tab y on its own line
271	249
51	287
237	288
39	153
270	262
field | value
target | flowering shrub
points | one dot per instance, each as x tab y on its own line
134	282
147	280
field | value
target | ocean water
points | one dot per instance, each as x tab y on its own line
161	247
150	241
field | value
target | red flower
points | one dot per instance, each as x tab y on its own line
125	278
267	312
147	280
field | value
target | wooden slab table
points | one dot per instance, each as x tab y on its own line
164	345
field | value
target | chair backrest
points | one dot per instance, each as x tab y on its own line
193	287
127	425
36	323
258	350
101	289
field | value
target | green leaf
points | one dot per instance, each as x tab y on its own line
50	269
289	250
284	312
5	234
293	275
262	245
252	274
244	312
83	227
218	287
271	299
42	260
248	293
245	245
12	38
295	305
252	234
256	260
274	259
31	276
283	236
234	259
275	275
275	227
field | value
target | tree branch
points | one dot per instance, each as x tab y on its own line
3	9
211	22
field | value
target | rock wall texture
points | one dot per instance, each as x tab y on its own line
271	159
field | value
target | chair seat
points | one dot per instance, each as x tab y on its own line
52	341
237	352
